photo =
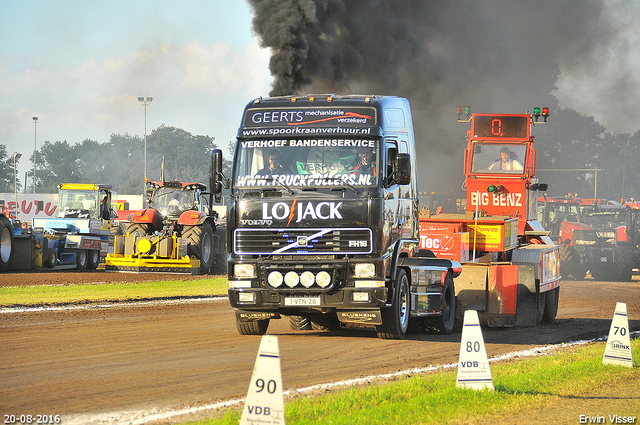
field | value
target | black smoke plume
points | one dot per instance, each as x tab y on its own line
493	55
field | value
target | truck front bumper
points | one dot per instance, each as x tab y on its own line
294	302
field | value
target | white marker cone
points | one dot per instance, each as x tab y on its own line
264	403
618	351
473	367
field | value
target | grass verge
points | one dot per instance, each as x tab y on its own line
72	294
528	388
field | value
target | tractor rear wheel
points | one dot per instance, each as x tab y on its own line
324	322
299	323
138	229
200	244
602	272
6	242
570	262
623	262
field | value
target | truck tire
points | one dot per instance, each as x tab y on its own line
395	319
6	243
93	259
200	244
51	259
299	323
445	324
258	327
82	259
220	265
551	305
623	256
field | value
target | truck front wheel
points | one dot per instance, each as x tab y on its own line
395	319
258	327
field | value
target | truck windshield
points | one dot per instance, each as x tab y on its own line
306	163
502	158
78	204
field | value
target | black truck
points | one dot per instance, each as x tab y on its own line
323	219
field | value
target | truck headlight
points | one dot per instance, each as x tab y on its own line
275	279
307	279
323	279
244	270
364	270
291	279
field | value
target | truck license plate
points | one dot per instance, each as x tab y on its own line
603	259
302	301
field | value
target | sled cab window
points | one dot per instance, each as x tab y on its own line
490	158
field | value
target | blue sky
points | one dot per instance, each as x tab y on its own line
79	66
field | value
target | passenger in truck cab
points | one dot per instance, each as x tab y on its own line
506	161
274	164
366	164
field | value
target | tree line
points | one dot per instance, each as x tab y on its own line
119	162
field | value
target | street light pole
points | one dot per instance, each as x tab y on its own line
16	155
145	100
35	138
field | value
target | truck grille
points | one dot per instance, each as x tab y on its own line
302	241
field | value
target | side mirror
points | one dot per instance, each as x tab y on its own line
403	169
542	187
215	187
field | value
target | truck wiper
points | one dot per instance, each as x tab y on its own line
350	186
271	179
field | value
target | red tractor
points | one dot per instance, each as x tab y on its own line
182	210
617	227
562	217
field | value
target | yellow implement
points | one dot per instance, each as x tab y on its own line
151	254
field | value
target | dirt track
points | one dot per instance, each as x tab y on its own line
171	356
